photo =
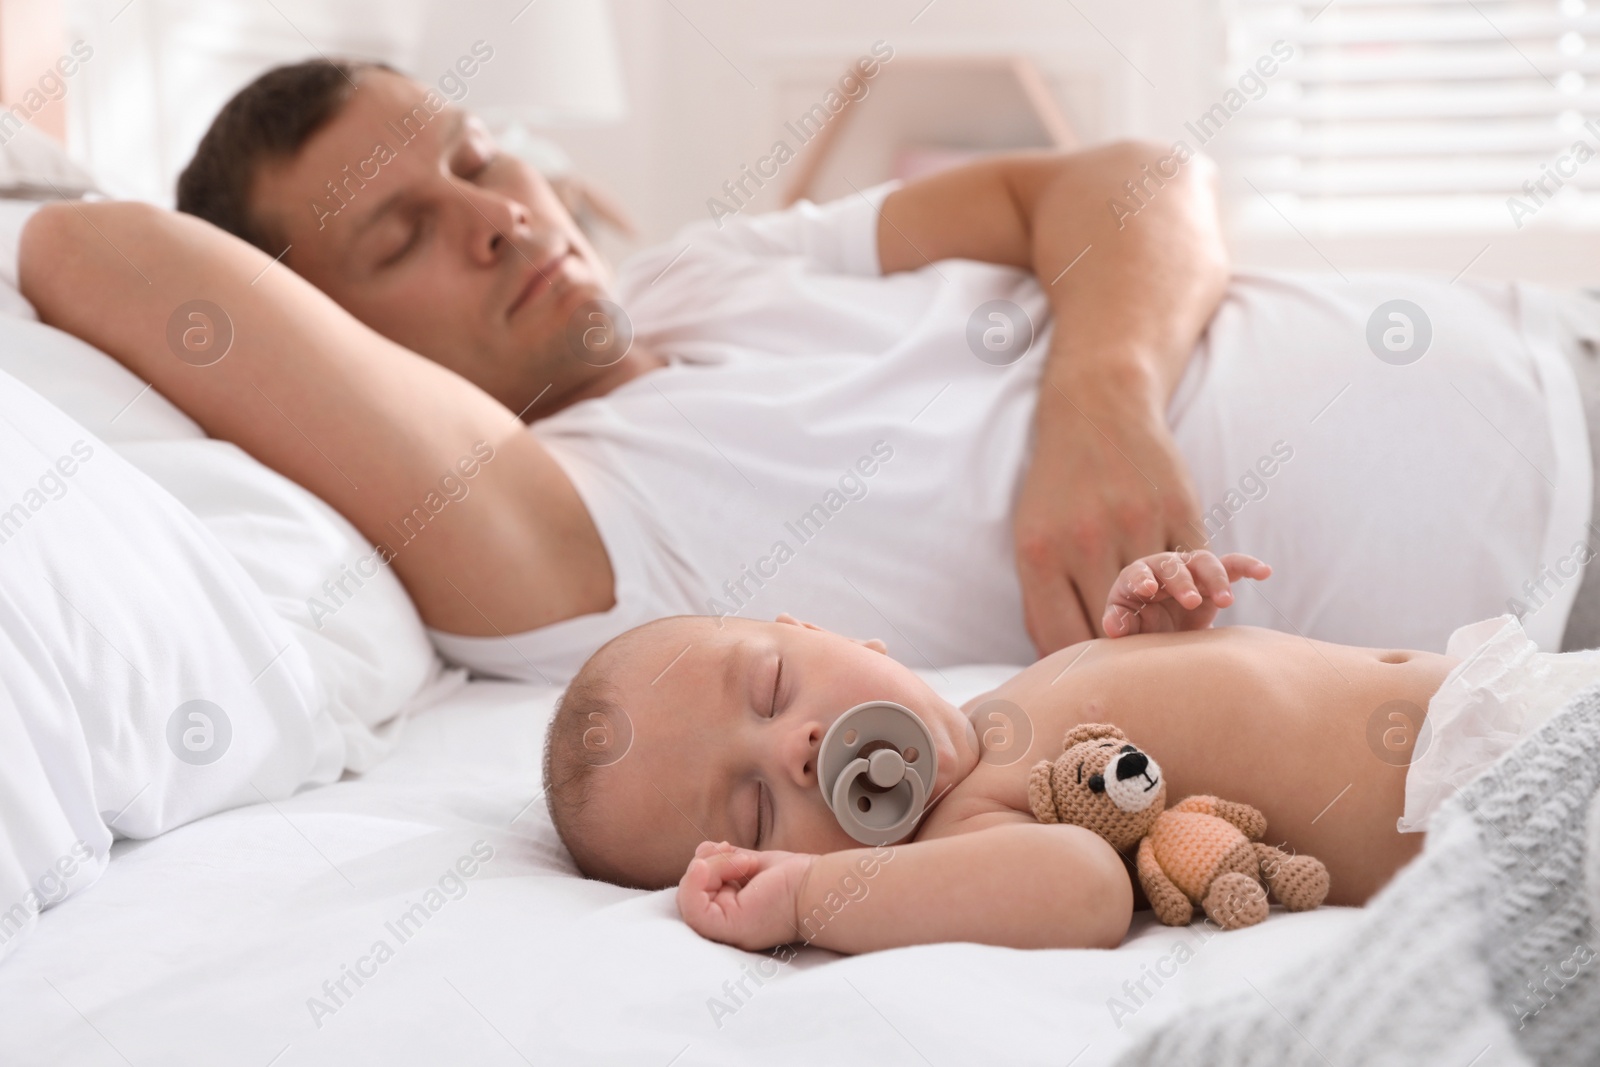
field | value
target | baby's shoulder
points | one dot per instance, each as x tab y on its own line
988	796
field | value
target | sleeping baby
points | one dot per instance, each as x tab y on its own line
686	751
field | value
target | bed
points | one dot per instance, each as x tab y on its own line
367	872
212	943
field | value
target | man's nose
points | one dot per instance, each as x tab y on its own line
496	224
1131	765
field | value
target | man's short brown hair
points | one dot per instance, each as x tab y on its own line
268	121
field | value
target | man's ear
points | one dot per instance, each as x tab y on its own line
870	642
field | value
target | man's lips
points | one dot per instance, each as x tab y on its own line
539	281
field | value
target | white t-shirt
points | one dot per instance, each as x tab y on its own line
825	442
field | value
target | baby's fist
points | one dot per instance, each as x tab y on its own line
742	897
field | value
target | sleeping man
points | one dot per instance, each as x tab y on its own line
949	411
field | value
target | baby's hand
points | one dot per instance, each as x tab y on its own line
742	897
1175	591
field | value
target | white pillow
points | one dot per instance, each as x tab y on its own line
370	649
14	214
367	644
35	166
145	681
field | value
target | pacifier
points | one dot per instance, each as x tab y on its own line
876	766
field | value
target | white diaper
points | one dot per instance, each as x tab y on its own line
1503	689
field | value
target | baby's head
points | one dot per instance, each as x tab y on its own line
695	728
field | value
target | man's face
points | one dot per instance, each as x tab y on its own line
435	240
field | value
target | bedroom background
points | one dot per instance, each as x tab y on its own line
1395	137
417	906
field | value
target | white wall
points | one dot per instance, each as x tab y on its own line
704	76
710	83
709	92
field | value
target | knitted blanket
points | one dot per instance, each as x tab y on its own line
1481	951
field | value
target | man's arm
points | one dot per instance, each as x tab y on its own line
1130	292
1020	884
367	425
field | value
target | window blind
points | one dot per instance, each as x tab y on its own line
1419	114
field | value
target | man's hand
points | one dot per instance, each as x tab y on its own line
1132	279
1106	486
1173	591
741	897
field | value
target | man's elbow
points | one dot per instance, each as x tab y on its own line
1186	184
46	254
63	243
60	226
1171	162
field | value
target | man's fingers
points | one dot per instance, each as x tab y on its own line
1185	530
1051	610
1093	594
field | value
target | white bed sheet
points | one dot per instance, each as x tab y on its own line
204	946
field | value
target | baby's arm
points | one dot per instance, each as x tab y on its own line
1021	885
1175	591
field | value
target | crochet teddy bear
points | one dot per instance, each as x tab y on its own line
1201	851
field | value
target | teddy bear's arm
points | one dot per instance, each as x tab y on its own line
1250	822
1166	899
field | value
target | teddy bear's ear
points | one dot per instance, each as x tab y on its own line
1090	731
1041	798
